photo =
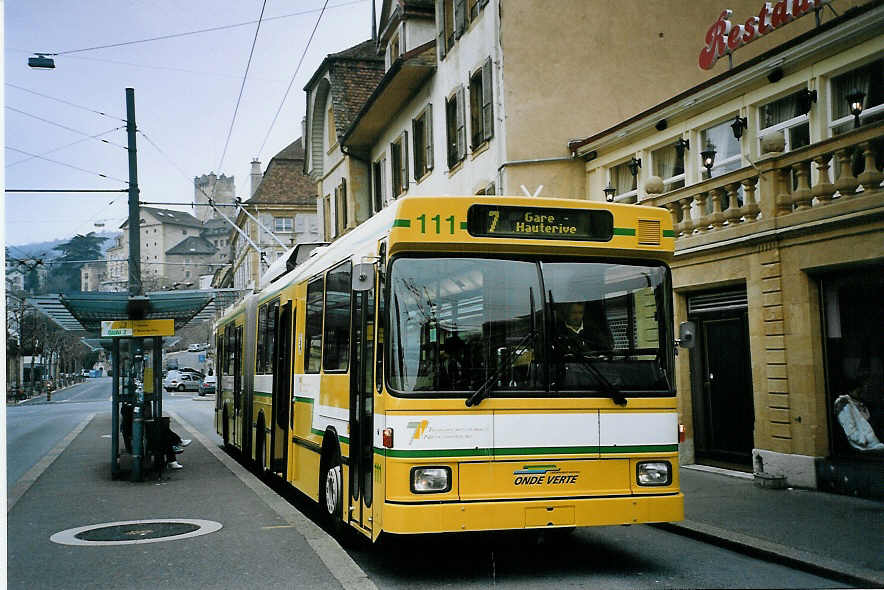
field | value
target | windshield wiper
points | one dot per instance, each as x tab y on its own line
607	387
505	362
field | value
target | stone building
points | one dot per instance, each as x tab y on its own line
284	202
772	173
221	189
336	92
161	231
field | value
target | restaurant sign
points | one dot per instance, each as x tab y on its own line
723	37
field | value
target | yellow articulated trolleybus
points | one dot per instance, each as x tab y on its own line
464	364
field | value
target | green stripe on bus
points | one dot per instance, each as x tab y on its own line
668	233
321	433
640	449
463	225
624	231
526	451
401	223
431	453
262	394
304	400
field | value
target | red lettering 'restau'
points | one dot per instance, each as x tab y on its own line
716	40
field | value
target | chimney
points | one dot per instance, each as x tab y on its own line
256	175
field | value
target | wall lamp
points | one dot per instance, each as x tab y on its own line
804	101
634	165
609	192
708	156
681	145
739	124
855	100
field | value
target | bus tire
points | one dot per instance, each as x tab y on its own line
331	491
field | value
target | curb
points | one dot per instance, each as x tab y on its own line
805	560
345	570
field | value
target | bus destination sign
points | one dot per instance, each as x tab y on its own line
491	221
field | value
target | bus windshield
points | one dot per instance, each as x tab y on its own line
529	327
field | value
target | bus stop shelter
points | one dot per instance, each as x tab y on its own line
133	328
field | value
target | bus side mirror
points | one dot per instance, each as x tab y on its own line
363	277
687	334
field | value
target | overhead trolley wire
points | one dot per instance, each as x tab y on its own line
66	165
58	149
292	81
241	88
66	128
198	31
11	85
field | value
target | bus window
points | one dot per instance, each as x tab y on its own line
336	355
313	327
456	320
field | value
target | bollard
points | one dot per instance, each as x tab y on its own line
137	442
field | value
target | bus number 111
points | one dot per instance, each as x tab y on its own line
436	220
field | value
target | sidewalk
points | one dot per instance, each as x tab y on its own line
834	535
262	540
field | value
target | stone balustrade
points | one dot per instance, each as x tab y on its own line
778	186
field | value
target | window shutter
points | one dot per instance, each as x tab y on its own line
343	203
461	131
487	101
440	28
383	182
428	137
414	130
460	18
404	161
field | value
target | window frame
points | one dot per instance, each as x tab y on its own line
422	142
455	128
831	122
286	228
481	106
308	325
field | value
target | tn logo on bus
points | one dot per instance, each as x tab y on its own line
418	427
538	475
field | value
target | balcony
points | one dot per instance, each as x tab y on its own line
808	189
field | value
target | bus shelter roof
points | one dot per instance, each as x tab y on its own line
86	310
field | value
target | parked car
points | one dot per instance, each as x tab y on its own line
207	385
179	381
199	374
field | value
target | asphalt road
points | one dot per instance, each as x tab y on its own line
607	557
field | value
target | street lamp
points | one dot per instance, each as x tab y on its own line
41	61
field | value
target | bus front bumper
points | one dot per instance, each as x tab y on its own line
531	514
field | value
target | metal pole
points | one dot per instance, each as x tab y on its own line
115	411
134	211
137	349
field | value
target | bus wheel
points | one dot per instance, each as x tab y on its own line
331	493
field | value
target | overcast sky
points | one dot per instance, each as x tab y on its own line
185	94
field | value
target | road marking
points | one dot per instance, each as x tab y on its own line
339	563
28	479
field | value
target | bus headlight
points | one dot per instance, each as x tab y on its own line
654	473
430	480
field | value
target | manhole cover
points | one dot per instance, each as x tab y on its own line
135	531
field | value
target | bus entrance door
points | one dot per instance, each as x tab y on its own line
282	392
362	400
